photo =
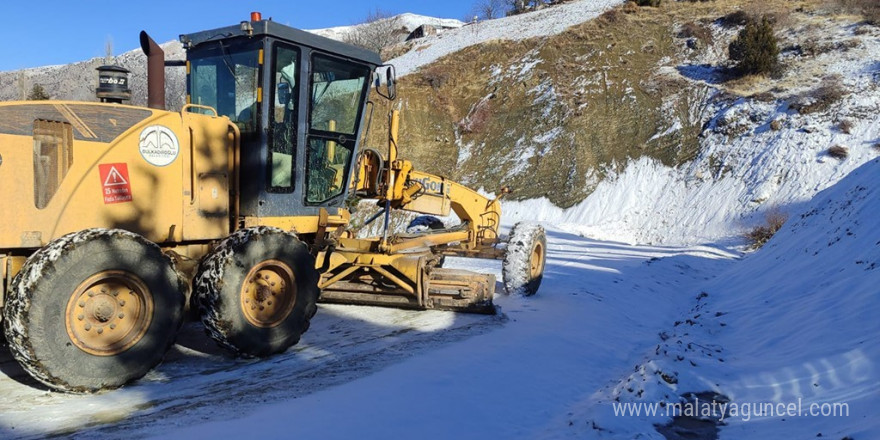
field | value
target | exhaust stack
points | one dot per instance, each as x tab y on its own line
155	72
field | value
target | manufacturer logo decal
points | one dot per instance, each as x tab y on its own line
158	145
115	183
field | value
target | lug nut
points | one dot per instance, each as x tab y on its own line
88	326
80	317
115	293
121	315
100	330
103	290
91	293
121	303
82	304
261	308
112	326
269	303
247	300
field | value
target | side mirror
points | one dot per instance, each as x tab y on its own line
391	82
389	91
283	93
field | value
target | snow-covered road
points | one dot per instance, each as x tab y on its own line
394	372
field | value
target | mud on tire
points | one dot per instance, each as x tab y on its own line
94	310
257	291
523	266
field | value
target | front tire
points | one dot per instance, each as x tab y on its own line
257	291
94	310
523	267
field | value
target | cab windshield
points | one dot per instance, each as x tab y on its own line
226	78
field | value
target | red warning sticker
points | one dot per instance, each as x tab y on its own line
115	183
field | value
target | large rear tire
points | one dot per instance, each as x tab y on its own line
257	291
94	310
523	267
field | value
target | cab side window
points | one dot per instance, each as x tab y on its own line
338	89
283	119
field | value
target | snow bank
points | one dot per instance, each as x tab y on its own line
407	21
548	21
794	323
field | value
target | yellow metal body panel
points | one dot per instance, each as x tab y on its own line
301	225
157	200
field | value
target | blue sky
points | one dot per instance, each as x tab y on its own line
60	32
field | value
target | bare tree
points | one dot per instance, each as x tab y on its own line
375	33
489	9
520	6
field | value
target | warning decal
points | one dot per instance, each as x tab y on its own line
114	182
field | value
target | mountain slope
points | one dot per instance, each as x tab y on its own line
793	323
597	128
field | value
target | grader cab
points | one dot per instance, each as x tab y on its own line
238	202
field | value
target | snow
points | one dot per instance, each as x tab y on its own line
407	21
793	323
548	21
643	299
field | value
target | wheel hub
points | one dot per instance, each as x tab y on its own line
268	293
109	312
536	262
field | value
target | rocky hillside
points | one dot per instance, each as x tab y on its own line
77	81
554	115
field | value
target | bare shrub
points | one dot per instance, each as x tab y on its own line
862	30
435	76
829	92
814	48
630	8
695	30
838	152
611	16
765	96
776	124
845	126
870	9
774	218
652	3
734	19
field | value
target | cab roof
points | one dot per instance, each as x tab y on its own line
275	30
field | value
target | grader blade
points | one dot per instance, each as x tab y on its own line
406	281
460	290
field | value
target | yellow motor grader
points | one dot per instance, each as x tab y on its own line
120	212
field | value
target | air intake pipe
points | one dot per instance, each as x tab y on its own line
155	72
